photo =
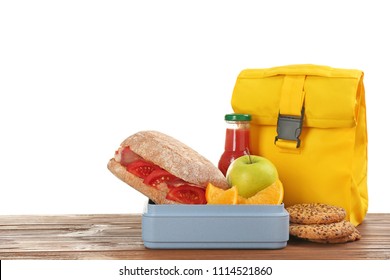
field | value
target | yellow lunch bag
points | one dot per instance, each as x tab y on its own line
310	121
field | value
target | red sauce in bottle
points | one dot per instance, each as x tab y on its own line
236	140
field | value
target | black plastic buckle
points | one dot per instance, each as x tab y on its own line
290	127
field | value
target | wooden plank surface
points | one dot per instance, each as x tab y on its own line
119	237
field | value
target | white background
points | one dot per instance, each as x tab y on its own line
77	77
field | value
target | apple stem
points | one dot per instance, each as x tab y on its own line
249	155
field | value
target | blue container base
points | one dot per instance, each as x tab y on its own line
215	226
215	245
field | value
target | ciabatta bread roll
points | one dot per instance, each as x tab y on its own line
164	169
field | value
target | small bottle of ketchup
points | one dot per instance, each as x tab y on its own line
236	141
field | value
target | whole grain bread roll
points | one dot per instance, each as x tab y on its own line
171	155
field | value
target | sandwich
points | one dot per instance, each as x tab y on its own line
164	169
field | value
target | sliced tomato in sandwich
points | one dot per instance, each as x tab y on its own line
159	176
142	168
187	194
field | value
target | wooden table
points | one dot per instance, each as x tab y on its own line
119	237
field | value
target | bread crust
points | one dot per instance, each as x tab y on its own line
154	194
175	157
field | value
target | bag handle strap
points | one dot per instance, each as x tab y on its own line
291	112
292	95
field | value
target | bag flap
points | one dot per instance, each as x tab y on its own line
332	96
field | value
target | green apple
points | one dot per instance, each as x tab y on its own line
250	174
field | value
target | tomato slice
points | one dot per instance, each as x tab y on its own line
141	168
159	176
187	194
128	156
